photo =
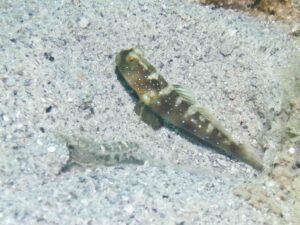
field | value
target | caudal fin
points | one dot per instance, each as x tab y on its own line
250	156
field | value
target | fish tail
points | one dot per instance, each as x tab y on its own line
250	156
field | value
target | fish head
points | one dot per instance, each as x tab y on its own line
139	74
129	64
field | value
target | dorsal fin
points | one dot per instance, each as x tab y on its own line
206	113
184	93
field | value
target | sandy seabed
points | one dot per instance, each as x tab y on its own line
57	74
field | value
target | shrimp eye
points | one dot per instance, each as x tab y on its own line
131	58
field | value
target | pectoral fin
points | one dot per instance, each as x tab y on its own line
70	164
148	116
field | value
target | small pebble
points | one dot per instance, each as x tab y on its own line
270	184
13	40
129	209
48	109
85	202
5	118
10	82
19	125
232	32
84	22
292	150
51	149
49	56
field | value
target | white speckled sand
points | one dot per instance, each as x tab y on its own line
57	74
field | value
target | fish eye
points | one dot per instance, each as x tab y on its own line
131	58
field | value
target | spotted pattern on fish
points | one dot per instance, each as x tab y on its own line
175	105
